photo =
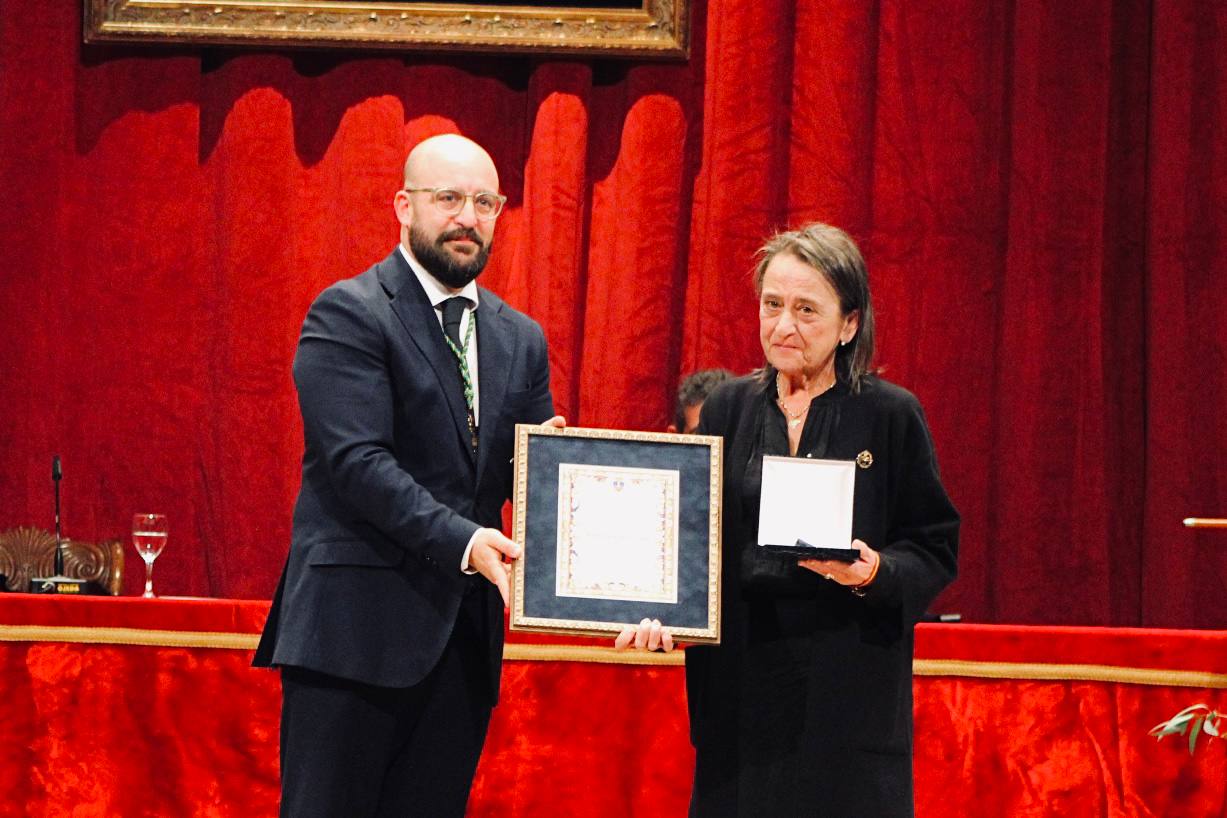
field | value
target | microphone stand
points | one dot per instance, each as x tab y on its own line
58	584
57	473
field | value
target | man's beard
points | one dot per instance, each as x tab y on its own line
442	265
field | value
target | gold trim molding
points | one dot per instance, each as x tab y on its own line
589	653
128	636
1029	671
512	652
515	652
657	29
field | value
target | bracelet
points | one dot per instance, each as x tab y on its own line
860	590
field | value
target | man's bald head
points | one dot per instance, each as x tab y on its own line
446	153
452	246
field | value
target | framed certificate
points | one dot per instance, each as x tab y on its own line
616	526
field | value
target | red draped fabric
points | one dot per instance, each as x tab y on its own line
1050	749
1054	721
1038	189
131	707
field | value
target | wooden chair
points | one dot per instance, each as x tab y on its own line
30	552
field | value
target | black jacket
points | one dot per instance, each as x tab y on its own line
810	677
391	491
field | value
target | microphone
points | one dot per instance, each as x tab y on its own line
57	473
58	584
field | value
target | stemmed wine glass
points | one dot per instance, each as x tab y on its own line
149	536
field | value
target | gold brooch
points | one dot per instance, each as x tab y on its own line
864	459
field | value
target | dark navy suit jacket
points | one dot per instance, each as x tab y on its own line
391	490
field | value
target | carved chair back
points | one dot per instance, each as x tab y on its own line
30	552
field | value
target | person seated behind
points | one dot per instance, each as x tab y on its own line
691	393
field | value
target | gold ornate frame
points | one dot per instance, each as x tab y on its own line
610	455
656	29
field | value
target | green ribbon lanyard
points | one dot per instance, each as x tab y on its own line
462	357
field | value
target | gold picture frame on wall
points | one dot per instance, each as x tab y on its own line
658	29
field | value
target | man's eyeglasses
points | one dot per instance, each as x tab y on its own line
486	205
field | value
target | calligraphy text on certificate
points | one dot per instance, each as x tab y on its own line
617	533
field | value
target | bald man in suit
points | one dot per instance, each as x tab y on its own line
387	623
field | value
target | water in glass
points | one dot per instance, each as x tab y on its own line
149	536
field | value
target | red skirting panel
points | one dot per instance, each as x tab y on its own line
1063	732
125	707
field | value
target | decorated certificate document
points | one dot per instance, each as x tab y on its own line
617	533
616	527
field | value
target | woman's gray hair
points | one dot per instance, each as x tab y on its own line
834	254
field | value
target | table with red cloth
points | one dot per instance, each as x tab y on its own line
128	706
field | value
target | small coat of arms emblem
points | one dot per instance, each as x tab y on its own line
864	459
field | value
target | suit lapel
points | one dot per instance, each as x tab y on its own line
413	310
495	352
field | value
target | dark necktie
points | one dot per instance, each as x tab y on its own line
453	311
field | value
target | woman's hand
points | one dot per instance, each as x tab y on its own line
650	635
848	573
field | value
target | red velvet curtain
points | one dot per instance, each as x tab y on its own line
1038	189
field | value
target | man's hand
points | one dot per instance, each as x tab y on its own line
556	422
486	557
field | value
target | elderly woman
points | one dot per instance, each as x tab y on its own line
805	708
